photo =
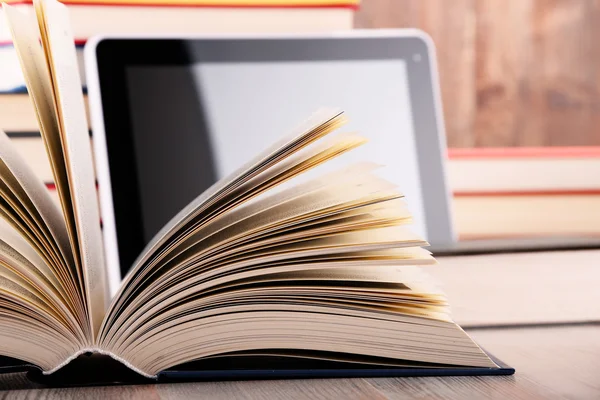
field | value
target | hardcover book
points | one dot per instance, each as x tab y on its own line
510	192
89	18
253	278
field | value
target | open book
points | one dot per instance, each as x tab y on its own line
322	270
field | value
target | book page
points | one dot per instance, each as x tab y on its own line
318	266
18	268
54	85
37	193
228	276
313	128
40	91
10	237
31	328
276	175
57	35
37	78
27	196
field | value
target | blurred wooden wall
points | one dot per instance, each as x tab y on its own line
513	72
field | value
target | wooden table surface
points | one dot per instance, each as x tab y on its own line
556	356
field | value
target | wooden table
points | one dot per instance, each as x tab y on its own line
521	307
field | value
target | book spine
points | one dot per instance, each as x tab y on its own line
353	4
528	193
522	152
97	350
524	171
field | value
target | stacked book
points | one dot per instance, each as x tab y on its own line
526	192
93	17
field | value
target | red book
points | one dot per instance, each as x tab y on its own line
93	17
211	3
524	171
522	215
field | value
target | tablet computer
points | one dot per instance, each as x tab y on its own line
171	115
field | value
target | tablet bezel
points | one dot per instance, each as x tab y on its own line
107	57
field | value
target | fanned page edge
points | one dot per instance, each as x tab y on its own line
38	92
318	118
78	156
37	193
75	184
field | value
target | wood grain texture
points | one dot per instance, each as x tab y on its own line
521	288
513	72
453	31
563	360
565	87
458	388
502	62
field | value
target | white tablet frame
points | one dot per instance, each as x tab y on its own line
431	139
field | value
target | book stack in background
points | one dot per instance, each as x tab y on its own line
93	17
525	192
